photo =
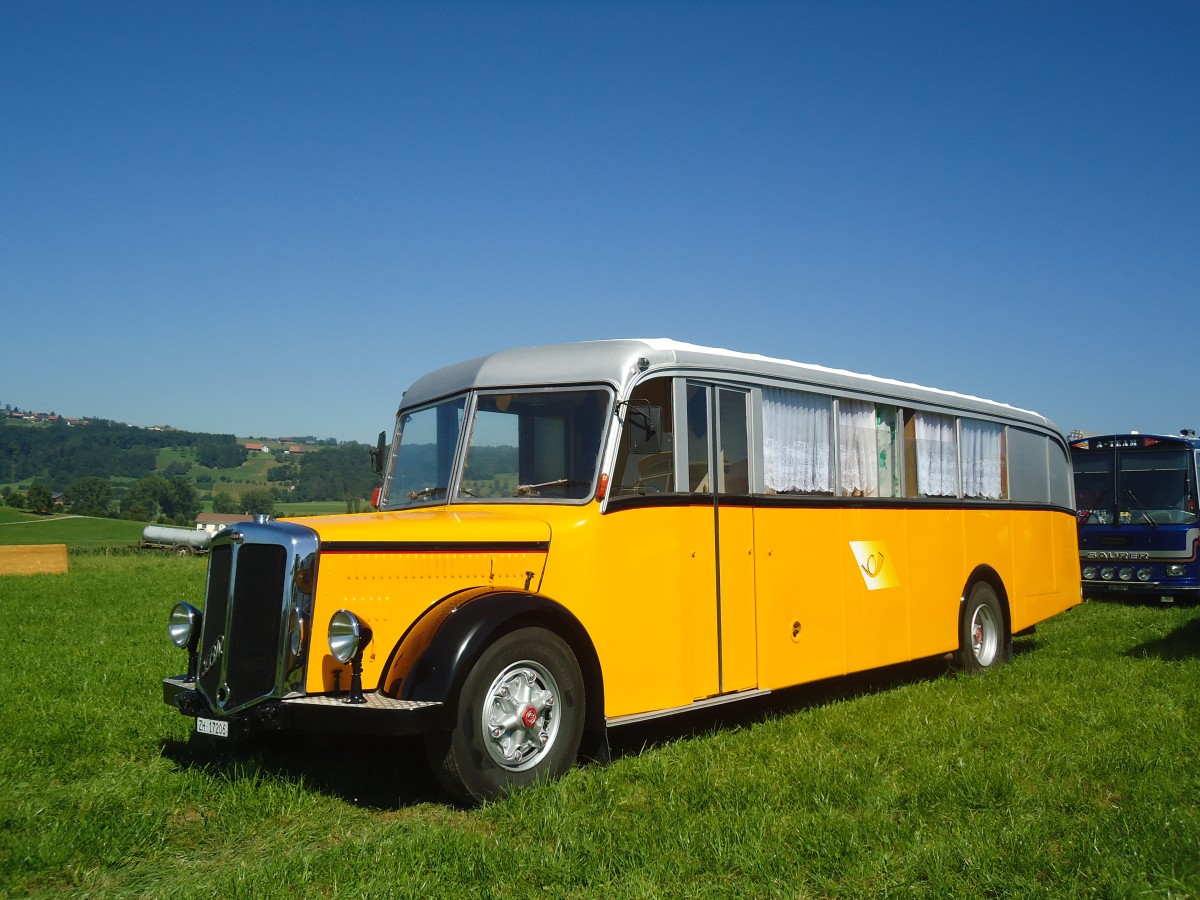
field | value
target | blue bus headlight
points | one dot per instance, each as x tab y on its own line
1144	573
1126	573
1107	573
1089	572
1175	570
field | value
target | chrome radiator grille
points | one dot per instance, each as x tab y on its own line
245	614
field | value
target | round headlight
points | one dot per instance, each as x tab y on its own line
1107	573
1126	573
1089	572
347	635
305	577
1144	573
184	624
298	628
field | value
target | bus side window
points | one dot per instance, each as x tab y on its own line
733	448
982	458
930	455
699	450
1028	466
1061	483
798	454
867	449
639	471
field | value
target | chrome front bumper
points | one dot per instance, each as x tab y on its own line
378	715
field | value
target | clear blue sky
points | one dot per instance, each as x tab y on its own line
268	218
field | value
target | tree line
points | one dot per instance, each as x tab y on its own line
59	453
80	464
154	498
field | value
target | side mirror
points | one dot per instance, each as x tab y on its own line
645	428
378	452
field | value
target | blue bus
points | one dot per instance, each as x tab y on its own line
1139	520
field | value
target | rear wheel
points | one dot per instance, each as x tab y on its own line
520	718
983	641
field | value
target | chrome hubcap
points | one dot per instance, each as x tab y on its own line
985	636
519	721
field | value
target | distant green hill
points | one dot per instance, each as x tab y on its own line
57	455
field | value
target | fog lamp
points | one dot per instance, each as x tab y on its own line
348	636
1126	573
183	628
1089	572
1107	573
184	625
1144	573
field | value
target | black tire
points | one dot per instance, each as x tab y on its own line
983	639
520	718
182	550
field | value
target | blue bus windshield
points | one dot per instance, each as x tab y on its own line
1136	487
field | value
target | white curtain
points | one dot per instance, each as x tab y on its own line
797	441
982	459
937	456
856	448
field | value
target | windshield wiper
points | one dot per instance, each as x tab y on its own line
426	492
525	489
1140	508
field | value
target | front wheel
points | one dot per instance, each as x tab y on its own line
520	718
983	641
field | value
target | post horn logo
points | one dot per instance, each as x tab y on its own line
875	564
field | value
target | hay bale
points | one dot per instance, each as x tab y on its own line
33	559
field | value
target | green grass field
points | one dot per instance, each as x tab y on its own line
96	534
77	532
1070	772
314	508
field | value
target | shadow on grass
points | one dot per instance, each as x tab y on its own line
1182	643
1144	601
392	773
634	738
372	773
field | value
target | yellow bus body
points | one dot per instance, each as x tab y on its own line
796	604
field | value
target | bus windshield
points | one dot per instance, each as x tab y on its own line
423	461
1136	487
519	445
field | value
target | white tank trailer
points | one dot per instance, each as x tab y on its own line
180	541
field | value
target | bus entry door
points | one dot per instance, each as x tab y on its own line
718	467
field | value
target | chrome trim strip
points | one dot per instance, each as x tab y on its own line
708	703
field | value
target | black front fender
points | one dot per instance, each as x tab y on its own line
434	657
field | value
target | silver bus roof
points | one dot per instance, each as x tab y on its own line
618	363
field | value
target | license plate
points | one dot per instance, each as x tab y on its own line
215	727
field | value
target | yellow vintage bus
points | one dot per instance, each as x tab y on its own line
570	538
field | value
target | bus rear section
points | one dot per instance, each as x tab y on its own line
1139	519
